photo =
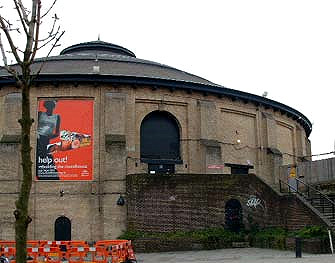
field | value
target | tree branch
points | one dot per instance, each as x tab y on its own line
37	31
51	33
10	40
49	39
23	18
45	58
10	70
4	57
31	32
8	23
23	11
46	13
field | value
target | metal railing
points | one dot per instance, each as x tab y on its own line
311	194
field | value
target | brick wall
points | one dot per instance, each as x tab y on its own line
296	214
161	203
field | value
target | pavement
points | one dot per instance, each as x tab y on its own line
234	255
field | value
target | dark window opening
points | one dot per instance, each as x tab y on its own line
160	139
62	229
239	168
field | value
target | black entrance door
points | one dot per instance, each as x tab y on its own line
233	215
62	229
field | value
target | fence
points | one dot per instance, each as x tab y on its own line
315	172
106	251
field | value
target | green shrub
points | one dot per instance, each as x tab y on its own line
312	232
131	235
269	238
210	238
213	238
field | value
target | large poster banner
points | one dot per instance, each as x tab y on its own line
64	140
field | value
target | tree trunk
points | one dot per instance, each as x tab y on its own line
22	204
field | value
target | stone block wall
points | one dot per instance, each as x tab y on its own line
9	187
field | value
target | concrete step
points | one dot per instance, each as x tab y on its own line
325	212
328	216
321	205
325	209
320	199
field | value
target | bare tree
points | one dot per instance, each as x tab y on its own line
23	39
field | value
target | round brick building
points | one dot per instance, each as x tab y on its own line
102	114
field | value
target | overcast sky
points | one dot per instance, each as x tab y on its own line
285	47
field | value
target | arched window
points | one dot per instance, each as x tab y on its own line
62	229
233	215
160	139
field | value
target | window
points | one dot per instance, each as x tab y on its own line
160	139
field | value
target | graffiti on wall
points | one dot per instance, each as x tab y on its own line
254	202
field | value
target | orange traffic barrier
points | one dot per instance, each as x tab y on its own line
77	251
118	249
8	252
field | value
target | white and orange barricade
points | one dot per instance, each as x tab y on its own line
7	249
77	251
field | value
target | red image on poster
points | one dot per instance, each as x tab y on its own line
64	140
